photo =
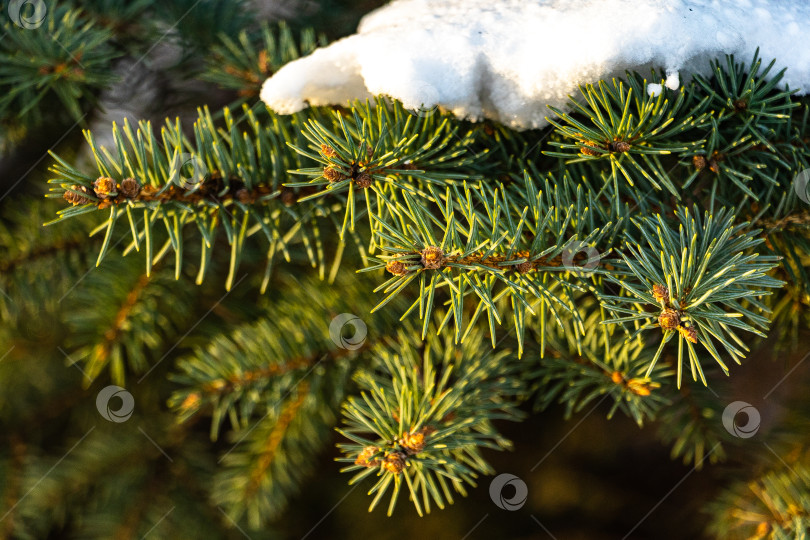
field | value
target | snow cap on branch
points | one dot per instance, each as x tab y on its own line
507	59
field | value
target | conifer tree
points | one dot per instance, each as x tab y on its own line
217	303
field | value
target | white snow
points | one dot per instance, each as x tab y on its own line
672	82
507	59
654	89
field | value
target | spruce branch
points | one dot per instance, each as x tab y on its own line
531	245
133	503
237	376
278	383
789	239
699	283
122	19
200	22
39	267
779	508
790	316
423	416
382	149
624	124
734	161
692	424
67	59
113	323
227	177
257	478
576	372
244	63
463	217
748	92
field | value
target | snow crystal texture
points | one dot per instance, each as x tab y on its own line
507	59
